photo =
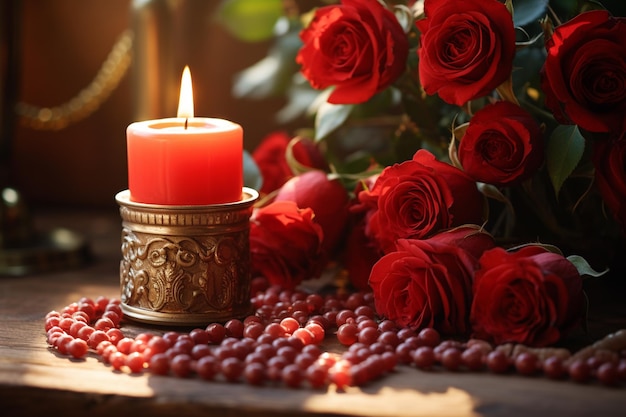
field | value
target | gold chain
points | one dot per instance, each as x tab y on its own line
89	99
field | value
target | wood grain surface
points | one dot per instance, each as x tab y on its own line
37	381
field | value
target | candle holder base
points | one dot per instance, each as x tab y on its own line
185	265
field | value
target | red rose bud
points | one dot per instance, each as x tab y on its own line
583	75
471	238
285	244
326	197
609	160
484	34
357	46
503	145
360	254
531	296
270	157
361	251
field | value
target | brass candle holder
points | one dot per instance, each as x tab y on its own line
185	265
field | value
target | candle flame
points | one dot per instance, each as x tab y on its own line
185	101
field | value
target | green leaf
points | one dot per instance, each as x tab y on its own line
527	63
528	11
329	117
592	5
251	174
565	7
300	97
564	151
250	20
271	75
583	266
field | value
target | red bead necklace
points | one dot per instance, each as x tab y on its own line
282	344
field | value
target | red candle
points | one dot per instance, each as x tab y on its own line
185	160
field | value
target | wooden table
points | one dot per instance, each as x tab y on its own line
36	381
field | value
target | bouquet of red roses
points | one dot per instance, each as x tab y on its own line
463	155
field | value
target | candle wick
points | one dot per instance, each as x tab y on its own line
186	121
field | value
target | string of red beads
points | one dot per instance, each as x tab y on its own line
283	343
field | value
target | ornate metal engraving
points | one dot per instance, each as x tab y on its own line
187	265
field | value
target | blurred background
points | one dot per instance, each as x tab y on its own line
61	46
58	48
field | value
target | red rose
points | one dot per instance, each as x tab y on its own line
270	157
531	296
428	283
609	160
285	244
466	48
585	71
361	252
357	46
502	145
326	197
418	198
